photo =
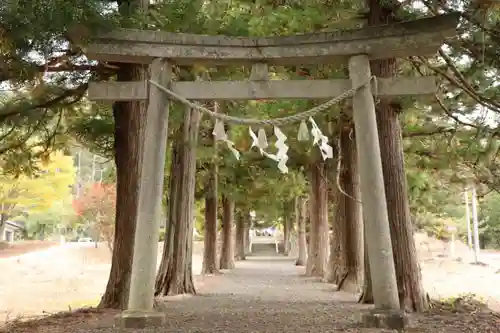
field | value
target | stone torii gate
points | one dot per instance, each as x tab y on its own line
161	50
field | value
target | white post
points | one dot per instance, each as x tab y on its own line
251	235
385	291
93	169
475	224
79	174
467	216
142	282
250	245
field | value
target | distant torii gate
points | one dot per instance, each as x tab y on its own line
162	49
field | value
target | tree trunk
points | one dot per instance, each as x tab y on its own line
3	223
412	296
287	229
348	268
210	263
175	275
324	228
227	250
311	234
336	258
129	125
241	244
248	226
366	296
130	120
300	216
316	262
167	261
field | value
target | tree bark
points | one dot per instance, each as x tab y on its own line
130	119
366	296
412	296
129	125
287	229
248	226
301	216
316	262
210	263
172	216
241	244
348	264
175	275
3	223
336	257
227	249
311	234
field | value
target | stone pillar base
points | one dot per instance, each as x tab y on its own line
390	319
139	319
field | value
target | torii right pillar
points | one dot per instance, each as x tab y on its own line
387	313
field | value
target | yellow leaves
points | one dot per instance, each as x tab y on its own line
51	183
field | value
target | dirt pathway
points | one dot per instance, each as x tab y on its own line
51	280
22	247
265	295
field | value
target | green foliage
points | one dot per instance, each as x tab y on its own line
54	220
490	220
43	69
46	22
92	126
30	133
199	216
448	142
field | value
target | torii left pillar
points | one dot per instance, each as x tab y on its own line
139	312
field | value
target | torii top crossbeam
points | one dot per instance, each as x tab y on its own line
413	38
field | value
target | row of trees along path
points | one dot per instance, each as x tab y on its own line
117	132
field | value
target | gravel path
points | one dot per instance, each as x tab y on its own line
264	294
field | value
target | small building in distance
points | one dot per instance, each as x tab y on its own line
10	230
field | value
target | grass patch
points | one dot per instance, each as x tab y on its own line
463	303
22	324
